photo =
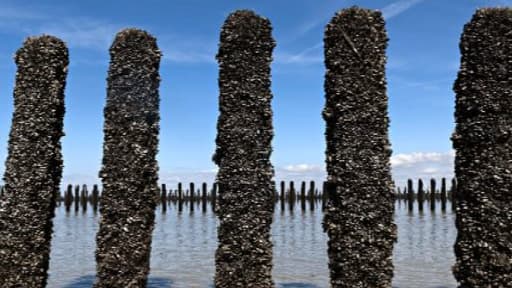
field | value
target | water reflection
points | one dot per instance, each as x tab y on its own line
184	246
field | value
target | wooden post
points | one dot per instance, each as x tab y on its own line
33	167
421	195
68	199
432	194
191	196
204	197
246	206
214	196
283	195
163	197
410	195
129	167
180	197
77	198
95	197
311	195
482	187
303	195
83	197
291	197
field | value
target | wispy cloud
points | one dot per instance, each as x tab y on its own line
310	55
97	34
410	159
14	13
421	165
396	8
193	49
82	33
302	168
392	10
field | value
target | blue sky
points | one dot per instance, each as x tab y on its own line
423	59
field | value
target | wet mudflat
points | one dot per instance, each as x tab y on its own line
184	245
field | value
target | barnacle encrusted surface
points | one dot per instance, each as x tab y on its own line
244	134
130	171
483	144
34	163
359	214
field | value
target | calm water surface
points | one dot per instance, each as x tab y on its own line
184	245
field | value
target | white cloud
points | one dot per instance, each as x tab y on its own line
419	157
396	8
423	165
415	165
302	168
83	33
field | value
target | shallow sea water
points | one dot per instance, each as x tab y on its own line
184	245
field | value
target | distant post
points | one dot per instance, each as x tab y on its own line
432	194
360	208
246	199
129	173
482	139
421	195
34	162
410	195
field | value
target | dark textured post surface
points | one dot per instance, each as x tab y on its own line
432	194
443	194
130	172
359	216
244	254
483	142
34	163
68	199
421	195
410	195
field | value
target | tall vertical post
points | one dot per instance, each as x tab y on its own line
432	194
443	194
359	214
163	197
68	199
483	145
95	197
421	195
410	195
33	168
191	195
130	172
244	135
181	197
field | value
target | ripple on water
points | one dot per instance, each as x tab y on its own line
184	246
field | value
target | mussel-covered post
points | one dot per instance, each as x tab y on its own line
432	194
34	163
130	172
421	195
483	145
410	195
244	135
359	216
443	194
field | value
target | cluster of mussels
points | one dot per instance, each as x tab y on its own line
359	215
483	141
130	171
245	204
34	163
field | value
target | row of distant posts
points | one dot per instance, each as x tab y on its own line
79	197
